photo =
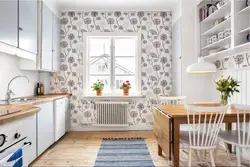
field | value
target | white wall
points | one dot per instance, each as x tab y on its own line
9	68
176	59
195	87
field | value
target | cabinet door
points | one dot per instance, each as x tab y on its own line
8	22
28	25
47	33
45	127
56	43
60	120
29	153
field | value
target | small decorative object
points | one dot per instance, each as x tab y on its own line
212	9
247	2
214	39
125	87
248	37
220	35
227	87
209	41
227	32
98	87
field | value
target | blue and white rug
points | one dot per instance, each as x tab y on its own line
123	153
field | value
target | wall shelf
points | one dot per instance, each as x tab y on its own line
244	30
239	23
218	28
218	44
247	9
219	13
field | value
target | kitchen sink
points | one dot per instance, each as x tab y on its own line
17	100
23	99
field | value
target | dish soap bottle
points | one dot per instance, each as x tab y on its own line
38	89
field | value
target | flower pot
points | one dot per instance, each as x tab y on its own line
125	92
98	92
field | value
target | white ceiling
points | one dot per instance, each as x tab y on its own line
121	5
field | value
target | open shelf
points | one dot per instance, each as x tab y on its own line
246	9
218	44
227	53
244	30
218	28
219	13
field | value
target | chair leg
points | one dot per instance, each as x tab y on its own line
189	157
211	153
238	154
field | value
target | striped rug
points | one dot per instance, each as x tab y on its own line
123	152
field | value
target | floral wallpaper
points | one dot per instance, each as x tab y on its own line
233	62
156	60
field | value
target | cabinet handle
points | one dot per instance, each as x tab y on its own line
53	50
20	29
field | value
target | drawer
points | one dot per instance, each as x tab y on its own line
162	131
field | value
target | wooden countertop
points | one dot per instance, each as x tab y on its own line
26	108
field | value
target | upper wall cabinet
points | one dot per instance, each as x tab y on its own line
47	39
28	25
56	43
9	22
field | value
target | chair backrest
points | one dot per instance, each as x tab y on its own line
168	100
204	124
243	124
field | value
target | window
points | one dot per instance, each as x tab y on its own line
112	59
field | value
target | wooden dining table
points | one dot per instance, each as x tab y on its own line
167	122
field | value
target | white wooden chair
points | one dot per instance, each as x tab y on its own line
240	137
202	134
175	100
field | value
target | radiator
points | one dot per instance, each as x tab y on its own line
112	113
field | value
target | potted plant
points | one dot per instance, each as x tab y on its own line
227	87
125	87
98	87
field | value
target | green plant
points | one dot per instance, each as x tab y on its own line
125	85
227	87
98	86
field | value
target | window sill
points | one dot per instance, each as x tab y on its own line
113	97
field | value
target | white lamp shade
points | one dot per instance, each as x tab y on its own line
201	67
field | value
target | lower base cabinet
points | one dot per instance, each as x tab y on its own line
45	124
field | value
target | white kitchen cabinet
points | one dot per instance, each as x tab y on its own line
45	124
56	44
28	11
29	153
59	118
47	38
9	22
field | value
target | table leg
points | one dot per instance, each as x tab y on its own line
159	150
229	127
176	143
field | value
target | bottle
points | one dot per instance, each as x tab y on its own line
38	89
41	89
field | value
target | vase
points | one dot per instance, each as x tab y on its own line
224	99
125	92
99	92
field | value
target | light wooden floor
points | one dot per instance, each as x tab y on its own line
81	148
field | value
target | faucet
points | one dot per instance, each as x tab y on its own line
9	91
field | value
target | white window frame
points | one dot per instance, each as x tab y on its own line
112	68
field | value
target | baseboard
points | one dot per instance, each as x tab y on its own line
128	128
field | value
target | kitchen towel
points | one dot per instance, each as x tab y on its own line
13	160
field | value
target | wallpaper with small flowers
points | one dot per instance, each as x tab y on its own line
233	62
156	60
